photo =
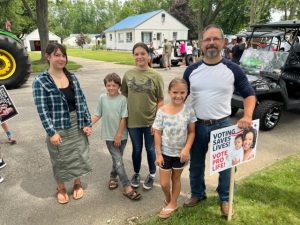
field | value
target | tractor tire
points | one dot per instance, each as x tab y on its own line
175	63
15	66
269	113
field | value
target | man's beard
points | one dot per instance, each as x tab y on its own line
212	52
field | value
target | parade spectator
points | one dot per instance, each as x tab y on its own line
143	87
167	52
65	117
112	110
211	83
11	139
2	165
237	50
174	135
182	50
152	52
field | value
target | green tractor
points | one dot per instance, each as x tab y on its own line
15	66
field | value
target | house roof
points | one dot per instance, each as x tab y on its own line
132	21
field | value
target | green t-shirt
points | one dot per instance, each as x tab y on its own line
143	88
111	109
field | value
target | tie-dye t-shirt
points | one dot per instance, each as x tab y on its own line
174	129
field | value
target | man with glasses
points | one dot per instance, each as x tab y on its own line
211	83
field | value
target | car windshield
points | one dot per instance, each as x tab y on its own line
256	62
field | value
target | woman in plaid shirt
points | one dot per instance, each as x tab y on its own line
65	117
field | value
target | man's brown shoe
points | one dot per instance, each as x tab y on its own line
224	207
192	201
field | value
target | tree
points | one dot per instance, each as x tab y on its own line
40	15
17	14
290	8
42	24
181	10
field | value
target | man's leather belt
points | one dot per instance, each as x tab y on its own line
210	122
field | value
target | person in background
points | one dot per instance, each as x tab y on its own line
211	83
152	52
64	114
112	110
226	53
2	165
144	89
182	50
11	139
237	50
167	52
195	51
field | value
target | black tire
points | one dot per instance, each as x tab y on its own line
161	62
269	113
174	63
15	66
189	60
234	110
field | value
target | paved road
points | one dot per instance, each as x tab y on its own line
27	194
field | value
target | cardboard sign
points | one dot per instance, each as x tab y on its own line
7	107
231	146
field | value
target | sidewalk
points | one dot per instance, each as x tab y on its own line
28	191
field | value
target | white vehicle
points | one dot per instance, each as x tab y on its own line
175	56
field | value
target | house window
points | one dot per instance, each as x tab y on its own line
120	37
110	37
146	37
129	37
174	35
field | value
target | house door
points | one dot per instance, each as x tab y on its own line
159	40
146	37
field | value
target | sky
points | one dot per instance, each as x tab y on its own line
276	15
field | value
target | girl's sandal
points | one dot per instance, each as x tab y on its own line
77	191
62	196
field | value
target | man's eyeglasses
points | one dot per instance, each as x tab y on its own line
214	39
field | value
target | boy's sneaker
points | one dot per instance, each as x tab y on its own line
2	164
12	140
148	183
135	180
1	179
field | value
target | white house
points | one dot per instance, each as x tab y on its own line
32	40
153	26
71	40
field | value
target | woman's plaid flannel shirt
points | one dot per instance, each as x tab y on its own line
52	106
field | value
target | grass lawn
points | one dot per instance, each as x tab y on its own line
271	196
121	57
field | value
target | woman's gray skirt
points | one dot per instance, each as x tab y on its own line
70	159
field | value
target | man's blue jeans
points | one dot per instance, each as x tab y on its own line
137	135
197	163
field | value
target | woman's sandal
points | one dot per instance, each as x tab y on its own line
133	195
62	196
113	183
77	191
166	212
